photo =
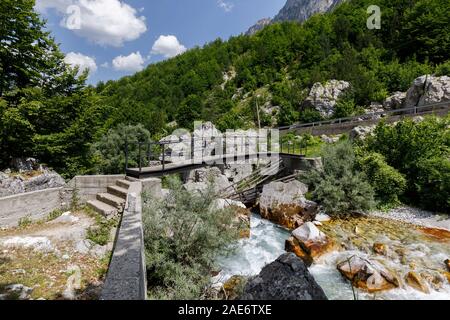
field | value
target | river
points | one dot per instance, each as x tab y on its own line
410	248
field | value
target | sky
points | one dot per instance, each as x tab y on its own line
115	38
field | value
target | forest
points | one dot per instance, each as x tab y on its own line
50	113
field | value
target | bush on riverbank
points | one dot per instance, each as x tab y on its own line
183	234
420	151
340	187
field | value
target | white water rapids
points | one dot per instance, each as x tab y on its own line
267	241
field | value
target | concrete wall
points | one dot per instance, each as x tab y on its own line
88	186
126	277
35	205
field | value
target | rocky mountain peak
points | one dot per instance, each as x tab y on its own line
297	10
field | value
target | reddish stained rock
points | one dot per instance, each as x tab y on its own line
380	248
308	242
415	281
436	234
367	275
285	204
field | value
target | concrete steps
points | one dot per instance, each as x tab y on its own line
112	202
123	184
118	191
103	208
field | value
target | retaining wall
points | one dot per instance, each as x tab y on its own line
87	187
35	205
126	277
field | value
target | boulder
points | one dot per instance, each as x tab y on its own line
415	281
447	263
34	181
17	291
396	101
324	98
237	172
242	217
285	204
428	90
198	180
25	164
367	275
287	278
328	139
308	242
361	132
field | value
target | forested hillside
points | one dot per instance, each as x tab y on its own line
47	112
283	61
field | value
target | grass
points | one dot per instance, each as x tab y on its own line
100	233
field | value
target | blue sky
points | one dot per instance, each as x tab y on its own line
115	38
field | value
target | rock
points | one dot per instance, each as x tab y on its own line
18	291
225	203
261	24
46	179
237	172
323	217
380	248
396	101
308	242
414	280
25	164
197	180
233	287
65	218
84	246
73	283
428	90
325	97
367	275
285	204
287	278
360	133
447	263
40	244
328	139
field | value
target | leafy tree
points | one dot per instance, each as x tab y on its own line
388	184
109	152
340	188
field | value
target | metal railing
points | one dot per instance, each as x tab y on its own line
416	110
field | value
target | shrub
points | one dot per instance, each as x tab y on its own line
433	183
387	182
183	234
339	187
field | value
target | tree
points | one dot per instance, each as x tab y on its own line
340	188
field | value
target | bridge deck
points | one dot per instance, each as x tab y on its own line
171	168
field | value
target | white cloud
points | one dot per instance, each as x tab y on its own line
168	46
131	63
226	6
104	22
80	60
105	65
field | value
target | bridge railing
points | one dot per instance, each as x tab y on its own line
403	111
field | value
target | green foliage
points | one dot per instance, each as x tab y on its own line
340	188
183	234
419	151
109	152
443	69
388	184
25	222
309	115
54	214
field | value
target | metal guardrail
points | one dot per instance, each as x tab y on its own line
409	110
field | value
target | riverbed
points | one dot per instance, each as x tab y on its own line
409	247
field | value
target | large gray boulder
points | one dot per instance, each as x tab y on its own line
361	132
428	90
286	205
198	180
287	278
324	98
396	101
11	184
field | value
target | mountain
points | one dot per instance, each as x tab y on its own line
296	10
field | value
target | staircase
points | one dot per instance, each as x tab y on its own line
112	202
